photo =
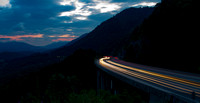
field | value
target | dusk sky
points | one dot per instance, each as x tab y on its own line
40	22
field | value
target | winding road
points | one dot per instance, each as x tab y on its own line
182	84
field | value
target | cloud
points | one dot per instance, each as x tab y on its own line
83	10
5	3
63	36
69	29
52	36
55	18
19	37
19	27
81	18
68	21
105	6
80	13
63	39
67	2
144	4
79	8
67	36
35	14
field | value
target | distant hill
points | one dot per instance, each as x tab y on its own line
18	47
14	50
55	45
169	38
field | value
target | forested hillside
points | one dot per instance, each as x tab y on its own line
168	38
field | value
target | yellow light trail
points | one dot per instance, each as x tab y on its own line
158	75
172	86
143	77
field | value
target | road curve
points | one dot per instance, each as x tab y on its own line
184	85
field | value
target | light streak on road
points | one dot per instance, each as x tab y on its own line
181	85
159	75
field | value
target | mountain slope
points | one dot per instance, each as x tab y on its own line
55	45
112	33
168	38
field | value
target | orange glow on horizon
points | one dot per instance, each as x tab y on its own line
67	36
63	39
19	37
63	36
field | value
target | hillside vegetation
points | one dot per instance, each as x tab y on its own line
168	38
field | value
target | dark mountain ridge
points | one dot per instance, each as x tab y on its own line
112	33
168	38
